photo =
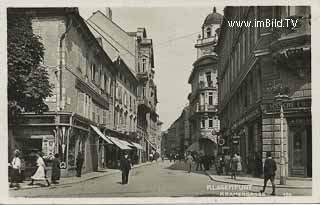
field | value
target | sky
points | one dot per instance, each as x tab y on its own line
174	31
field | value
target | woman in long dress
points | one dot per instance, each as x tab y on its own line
40	174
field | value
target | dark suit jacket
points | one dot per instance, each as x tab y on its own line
125	164
270	167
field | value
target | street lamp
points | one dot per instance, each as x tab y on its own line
280	98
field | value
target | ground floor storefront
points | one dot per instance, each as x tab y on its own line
259	132
68	135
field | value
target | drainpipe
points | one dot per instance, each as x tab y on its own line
62	37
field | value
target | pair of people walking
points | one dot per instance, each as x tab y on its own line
236	166
41	172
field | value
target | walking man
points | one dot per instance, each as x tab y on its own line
189	160
270	168
79	163
125	166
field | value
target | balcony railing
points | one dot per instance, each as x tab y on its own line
210	84
206	108
142	75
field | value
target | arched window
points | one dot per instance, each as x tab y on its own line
208	32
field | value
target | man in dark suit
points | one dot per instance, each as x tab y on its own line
125	166
270	168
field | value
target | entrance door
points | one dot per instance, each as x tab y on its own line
309	150
300	161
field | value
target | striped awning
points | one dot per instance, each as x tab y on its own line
101	134
119	144
136	145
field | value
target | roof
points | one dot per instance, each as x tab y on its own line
213	18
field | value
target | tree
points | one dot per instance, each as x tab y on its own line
28	80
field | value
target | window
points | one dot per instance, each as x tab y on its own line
143	91
208	32
210	98
143	64
93	71
208	75
130	102
210	122
104	117
203	123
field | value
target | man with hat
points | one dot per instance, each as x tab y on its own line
125	166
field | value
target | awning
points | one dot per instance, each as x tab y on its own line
136	145
119	144
125	143
194	147
100	134
152	146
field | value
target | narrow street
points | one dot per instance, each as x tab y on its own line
163	179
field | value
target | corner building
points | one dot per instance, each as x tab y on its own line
203	99
255	65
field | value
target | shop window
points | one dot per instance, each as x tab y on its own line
72	151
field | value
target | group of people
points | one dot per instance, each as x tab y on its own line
229	165
39	175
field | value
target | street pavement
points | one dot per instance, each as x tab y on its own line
161	179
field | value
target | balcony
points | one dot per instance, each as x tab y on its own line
143	76
209	85
206	108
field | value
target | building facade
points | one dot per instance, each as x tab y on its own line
203	99
82	101
255	65
136	51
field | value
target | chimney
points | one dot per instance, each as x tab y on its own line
109	13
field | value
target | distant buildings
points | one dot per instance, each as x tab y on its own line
199	122
255	65
104	98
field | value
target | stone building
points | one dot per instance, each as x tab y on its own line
255	65
82	104
203	99
136	51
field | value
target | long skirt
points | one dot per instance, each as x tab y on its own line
40	174
15	176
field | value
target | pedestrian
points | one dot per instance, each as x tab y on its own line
234	164
220	165
55	176
239	165
151	157
41	172
79	163
227	160
189	160
258	164
15	170
270	168
125	166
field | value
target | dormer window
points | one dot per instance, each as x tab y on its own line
208	32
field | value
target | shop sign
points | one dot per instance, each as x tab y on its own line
235	141
221	142
288	105
48	146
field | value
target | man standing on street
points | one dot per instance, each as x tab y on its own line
270	168
79	163
125	166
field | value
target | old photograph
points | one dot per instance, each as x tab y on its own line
159	101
